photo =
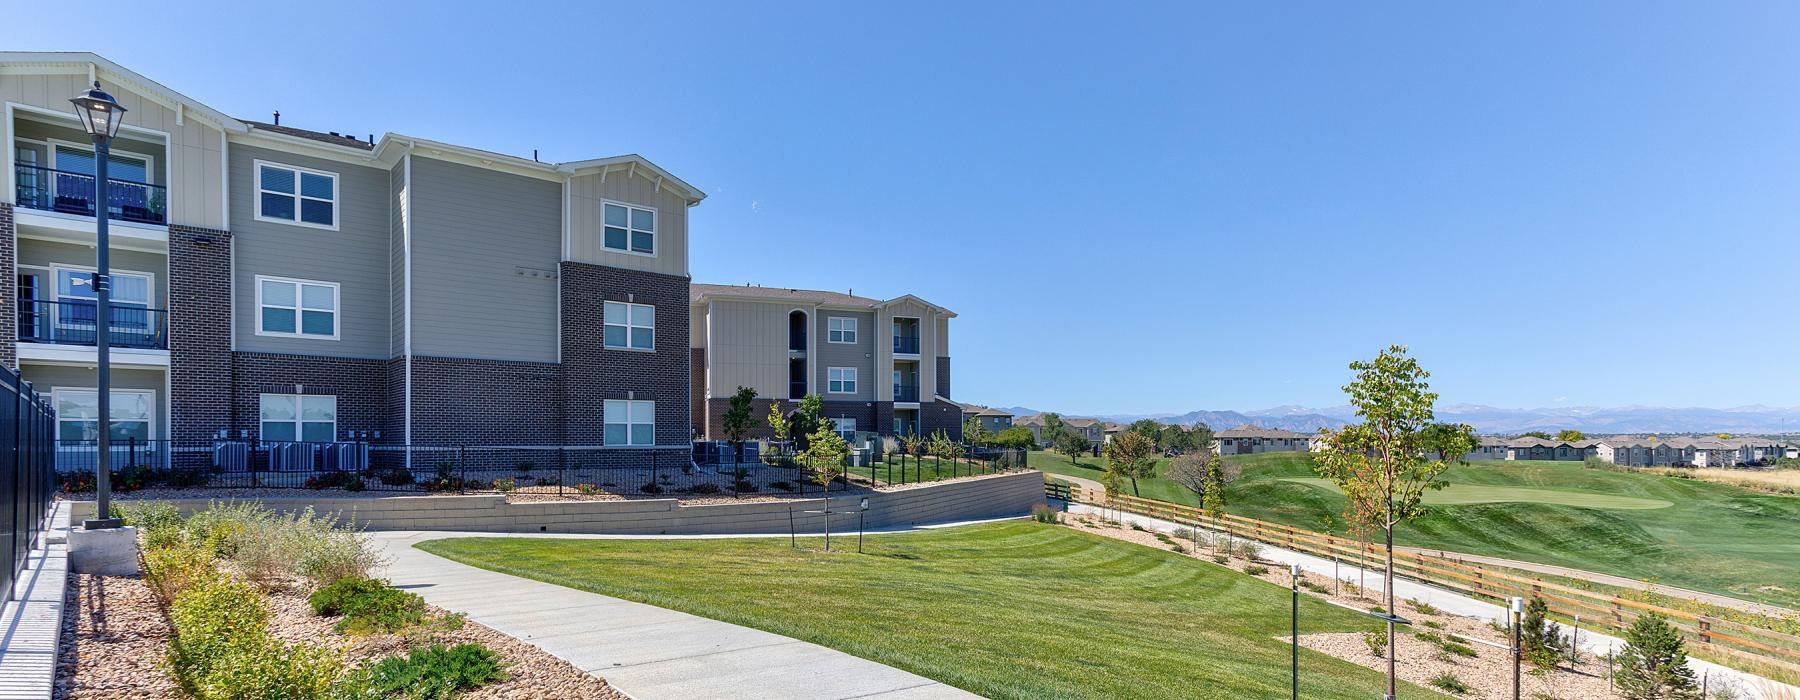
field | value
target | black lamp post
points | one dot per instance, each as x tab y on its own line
100	115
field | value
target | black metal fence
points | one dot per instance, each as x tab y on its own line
27	472
72	322
709	469
71	192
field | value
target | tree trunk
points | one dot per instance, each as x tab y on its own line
1390	605
1134	489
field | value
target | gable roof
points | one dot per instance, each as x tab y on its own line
697	292
1251	431
95	66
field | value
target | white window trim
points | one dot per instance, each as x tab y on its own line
627	326
850	328
606	420
299	413
848	378
56	398
337	304
655	234
56	289
256	191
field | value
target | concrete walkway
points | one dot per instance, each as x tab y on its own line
31	621
1747	685
645	651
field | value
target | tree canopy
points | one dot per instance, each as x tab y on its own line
1131	456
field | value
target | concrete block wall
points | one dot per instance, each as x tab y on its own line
997	496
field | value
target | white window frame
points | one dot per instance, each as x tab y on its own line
56	394
607	415
337	311
846	379
841	333
337	200
627	325
299	415
655	230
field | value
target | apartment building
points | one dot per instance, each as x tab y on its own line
880	366
295	285
1626	450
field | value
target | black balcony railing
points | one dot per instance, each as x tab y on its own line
906	392
73	193
71	322
908	344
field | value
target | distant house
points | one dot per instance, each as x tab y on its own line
1657	451
1249	439
1089	428
1533	448
993	420
1489	447
1111	431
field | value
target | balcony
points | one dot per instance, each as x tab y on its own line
906	393
906	345
72	323
72	193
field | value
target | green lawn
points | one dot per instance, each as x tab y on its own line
1007	610
1710	537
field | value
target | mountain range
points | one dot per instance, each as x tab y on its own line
1489	419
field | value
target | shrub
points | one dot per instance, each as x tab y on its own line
1456	648
435	672
1449	683
1045	514
705	488
745	486
1540	639
650	487
1139	528
1220	559
587	489
1376	642
368	606
1308	584
1256	570
1427	636
1434	624
334	480
1423	607
212	621
264	667
394	476
1653	663
173	569
785	486
149	516
1247	549
505	485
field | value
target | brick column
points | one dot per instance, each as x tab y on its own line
200	367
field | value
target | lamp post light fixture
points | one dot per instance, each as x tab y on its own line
100	115
862	509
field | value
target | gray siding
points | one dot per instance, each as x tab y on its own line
861	355
473	232
355	256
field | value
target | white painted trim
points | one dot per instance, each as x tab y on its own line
655	232
93	65
225	182
406	300
75	122
56	399
87	355
256	191
851	378
145	237
337	308
850	327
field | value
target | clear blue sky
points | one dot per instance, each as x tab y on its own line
1186	206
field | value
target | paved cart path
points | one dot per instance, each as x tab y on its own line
643	650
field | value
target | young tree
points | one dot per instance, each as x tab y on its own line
1131	456
824	456
1540	639
1189	472
806	419
1147	428
1653	664
974	431
1214	498
778	422
1571	435
1383	463
1017	436
1073	444
1199	438
737	420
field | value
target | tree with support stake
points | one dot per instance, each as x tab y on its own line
1385	464
824	462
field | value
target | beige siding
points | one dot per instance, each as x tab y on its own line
47	378
193	168
585	195
943	336
928	339
45	255
747	347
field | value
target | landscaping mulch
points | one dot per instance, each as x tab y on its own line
114	639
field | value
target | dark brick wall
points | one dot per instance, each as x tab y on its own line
941	415
863	411
759	417
697	388
593	373
9	259
200	360
943	377
394	384
884	417
360	386
460	401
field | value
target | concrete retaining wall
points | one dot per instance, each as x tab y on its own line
997	496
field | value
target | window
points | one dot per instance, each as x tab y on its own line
841	330
299	417
840	380
628	228
75	313
291	195
630	326
846	428
296	308
78	414
630	422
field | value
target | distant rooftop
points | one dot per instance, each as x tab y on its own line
322	136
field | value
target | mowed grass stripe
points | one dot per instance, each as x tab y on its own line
1470	494
1009	610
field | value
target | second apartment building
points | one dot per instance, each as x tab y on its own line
283	284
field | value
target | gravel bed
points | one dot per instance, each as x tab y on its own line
115	639
1488	674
